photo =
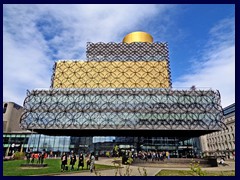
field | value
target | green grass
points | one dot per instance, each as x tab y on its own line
13	168
220	173
191	173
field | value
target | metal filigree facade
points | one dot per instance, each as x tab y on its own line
137	51
122	109
119	74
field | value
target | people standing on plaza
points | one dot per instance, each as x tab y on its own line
164	154
73	159
38	157
153	156
92	162
32	158
51	154
161	156
167	155
43	155
64	161
28	156
81	161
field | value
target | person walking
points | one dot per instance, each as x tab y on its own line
43	156
168	155
64	161
73	159
32	158
81	161
38	157
28	155
92	162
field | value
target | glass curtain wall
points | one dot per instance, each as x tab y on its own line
101	145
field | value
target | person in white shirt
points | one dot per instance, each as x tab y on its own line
221	161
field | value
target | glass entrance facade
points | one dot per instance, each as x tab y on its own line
178	147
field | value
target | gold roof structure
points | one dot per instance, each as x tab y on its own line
138	36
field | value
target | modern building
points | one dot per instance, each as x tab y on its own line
14	138
121	95
222	143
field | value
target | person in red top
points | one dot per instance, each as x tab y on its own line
38	157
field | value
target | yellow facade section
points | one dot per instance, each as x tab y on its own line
115	74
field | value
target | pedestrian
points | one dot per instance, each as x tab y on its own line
32	158
28	155
43	156
221	161
38	157
81	161
73	159
64	161
92	162
168	155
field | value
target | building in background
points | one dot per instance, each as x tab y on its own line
14	138
221	143
11	117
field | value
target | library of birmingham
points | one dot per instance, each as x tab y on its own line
120	95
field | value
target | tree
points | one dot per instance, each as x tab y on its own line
116	150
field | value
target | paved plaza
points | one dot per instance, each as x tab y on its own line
151	170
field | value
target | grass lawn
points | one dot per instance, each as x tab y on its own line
190	173
13	168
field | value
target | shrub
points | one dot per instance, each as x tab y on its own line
19	155
196	168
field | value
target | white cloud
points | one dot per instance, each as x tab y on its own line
37	35
24	67
215	68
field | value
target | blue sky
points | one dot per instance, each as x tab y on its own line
201	40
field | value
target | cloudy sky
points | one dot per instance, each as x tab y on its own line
201	40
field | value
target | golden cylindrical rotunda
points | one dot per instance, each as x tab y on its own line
138	36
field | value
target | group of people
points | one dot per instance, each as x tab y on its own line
40	156
73	158
152	155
